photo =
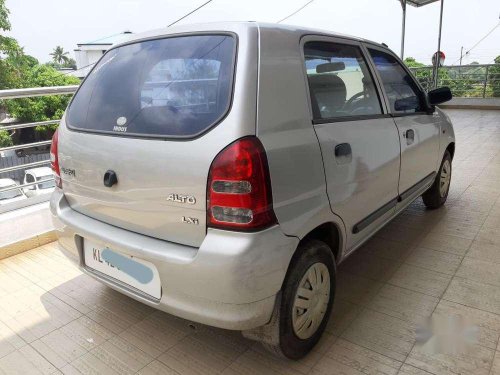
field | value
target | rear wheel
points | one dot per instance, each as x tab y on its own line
305	303
437	194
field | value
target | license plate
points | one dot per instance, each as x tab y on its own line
137	273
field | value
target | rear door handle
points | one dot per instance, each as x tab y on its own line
410	136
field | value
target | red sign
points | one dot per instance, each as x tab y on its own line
438	57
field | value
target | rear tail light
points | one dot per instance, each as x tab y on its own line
54	160
239	188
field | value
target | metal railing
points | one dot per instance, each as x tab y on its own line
465	81
28	93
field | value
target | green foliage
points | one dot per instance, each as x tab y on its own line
18	70
59	56
5	139
69	63
4	17
494	78
45	107
464	81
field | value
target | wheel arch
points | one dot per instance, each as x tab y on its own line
451	149
328	233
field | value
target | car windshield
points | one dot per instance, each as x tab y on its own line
171	87
10	193
46	184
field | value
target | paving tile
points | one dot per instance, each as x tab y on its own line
388	249
342	315
410	370
356	289
305	364
253	362
477	361
457	228
155	335
58	348
86	332
480	270
495	369
25	361
434	260
487	323
157	368
204	353
485	250
88	364
404	304
381	333
474	294
9	340
369	265
121	356
421	280
348	358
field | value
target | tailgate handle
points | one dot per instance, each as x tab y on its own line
110	178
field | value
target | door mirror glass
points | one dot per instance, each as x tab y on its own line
411	103
440	95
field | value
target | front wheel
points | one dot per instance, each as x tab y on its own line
303	308
437	194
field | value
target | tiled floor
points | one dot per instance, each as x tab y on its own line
441	263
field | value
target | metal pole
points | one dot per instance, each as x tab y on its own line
403	29
436	67
461	55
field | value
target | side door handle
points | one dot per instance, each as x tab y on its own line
343	153
410	136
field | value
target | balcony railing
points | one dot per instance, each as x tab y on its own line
465	81
18	166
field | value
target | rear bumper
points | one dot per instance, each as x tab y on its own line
230	281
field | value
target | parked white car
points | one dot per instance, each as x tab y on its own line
10	196
38	174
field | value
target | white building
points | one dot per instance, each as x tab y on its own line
87	54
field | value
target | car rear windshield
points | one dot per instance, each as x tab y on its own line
172	87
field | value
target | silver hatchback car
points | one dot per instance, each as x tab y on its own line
220	172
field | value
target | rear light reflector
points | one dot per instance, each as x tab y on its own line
54	160
239	188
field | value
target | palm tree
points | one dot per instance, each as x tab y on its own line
59	56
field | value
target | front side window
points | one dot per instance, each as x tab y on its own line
172	87
340	83
402	91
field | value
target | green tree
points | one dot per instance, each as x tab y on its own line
59	56
45	107
494	78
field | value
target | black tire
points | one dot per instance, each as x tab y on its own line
287	343
434	198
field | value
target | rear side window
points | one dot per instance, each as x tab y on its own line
340	83
172	87
402	91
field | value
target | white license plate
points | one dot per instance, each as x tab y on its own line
137	273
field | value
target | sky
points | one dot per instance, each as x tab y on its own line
39	26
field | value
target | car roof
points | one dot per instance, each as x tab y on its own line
7	182
238	25
38	172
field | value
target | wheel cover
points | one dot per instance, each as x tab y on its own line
311	301
445	178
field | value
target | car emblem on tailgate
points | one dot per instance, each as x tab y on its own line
179	198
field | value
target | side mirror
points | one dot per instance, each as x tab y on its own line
440	95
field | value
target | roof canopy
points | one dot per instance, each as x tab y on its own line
419	3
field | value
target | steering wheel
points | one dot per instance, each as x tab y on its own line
348	104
